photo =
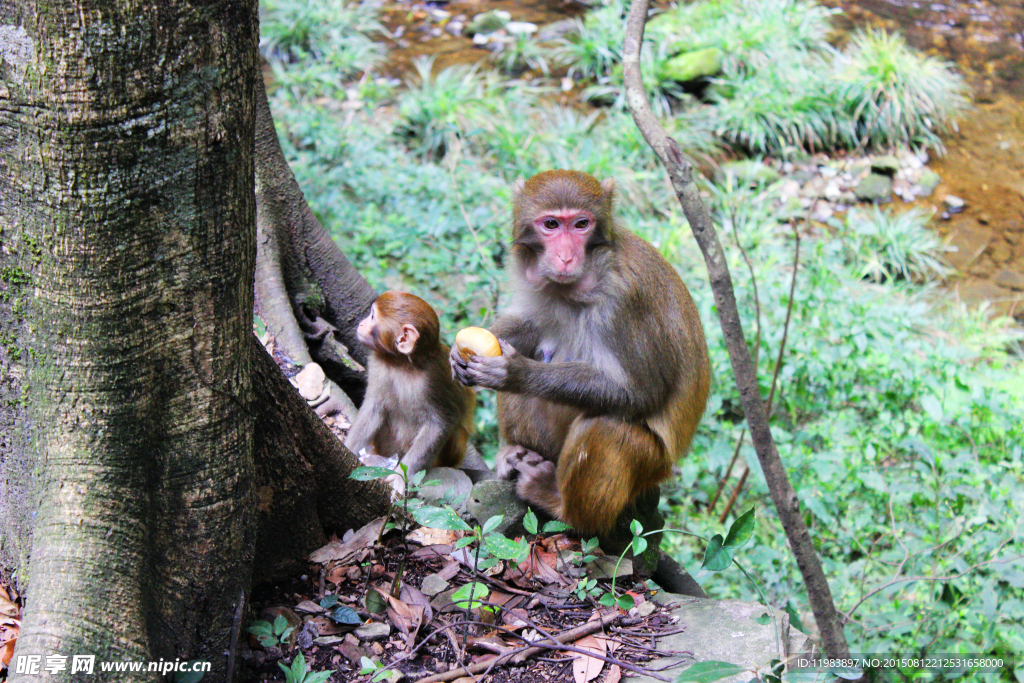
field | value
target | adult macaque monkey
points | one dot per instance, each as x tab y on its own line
412	407
604	371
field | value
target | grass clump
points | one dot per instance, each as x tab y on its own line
884	245
334	34
896	96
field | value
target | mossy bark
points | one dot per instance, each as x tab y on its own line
126	134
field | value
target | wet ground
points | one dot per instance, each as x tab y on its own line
984	164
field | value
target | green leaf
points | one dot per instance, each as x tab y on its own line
626	602
375	602
706	672
369	473
851	673
741	530
345	615
191	676
530	521
318	677
503	548
261	628
555	527
636	527
280	624
492	523
716	557
607	600
932	406
589	545
328	601
440	518
470	595
367	666
764	619
417	478
639	545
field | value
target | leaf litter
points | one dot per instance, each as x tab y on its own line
378	597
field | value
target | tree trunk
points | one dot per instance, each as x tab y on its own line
149	444
308	294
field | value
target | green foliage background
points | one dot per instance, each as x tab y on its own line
897	412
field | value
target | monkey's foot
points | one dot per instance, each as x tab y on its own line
537	483
507	458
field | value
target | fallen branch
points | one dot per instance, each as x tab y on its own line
561	643
783	495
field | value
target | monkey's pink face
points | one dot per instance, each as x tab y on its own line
364	331
564	235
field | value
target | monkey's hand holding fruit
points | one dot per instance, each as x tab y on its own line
501	373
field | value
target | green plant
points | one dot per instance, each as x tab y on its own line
523	53
886	245
297	672
333	32
437	107
896	96
595	47
271	635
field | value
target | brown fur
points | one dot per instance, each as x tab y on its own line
627	376
413	407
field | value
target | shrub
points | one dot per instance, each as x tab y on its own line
885	245
334	33
896	96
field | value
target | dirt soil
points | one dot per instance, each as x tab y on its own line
984	164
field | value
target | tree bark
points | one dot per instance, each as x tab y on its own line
308	294
783	495
150	446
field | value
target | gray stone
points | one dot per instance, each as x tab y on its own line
557	29
487	22
433	584
886	165
727	631
689	66
1009	279
927	183
453	487
603	567
442	600
746	171
520	28
373	631
953	203
874	188
498	497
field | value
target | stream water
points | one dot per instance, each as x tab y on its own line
984	164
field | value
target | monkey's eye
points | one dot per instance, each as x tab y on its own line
582	224
550	223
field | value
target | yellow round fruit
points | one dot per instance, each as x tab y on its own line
476	341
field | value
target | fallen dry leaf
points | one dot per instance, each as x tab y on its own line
449	571
309	607
490	643
414	596
405	617
584	667
614	674
7	652
348	550
427	536
8	608
514	619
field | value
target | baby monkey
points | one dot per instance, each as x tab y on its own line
413	407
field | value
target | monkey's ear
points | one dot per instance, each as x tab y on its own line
517	187
406	341
608	186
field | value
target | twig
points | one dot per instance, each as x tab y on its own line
783	494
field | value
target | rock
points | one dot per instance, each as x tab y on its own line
848	198
832	192
984	218
728	631
645	609
746	171
452	487
927	183
603	567
557	29
520	28
498	497
481	38
822	212
689	66
433	584
373	631
953	203
885	165
874	188
1010	279
310	381
487	22
442	600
